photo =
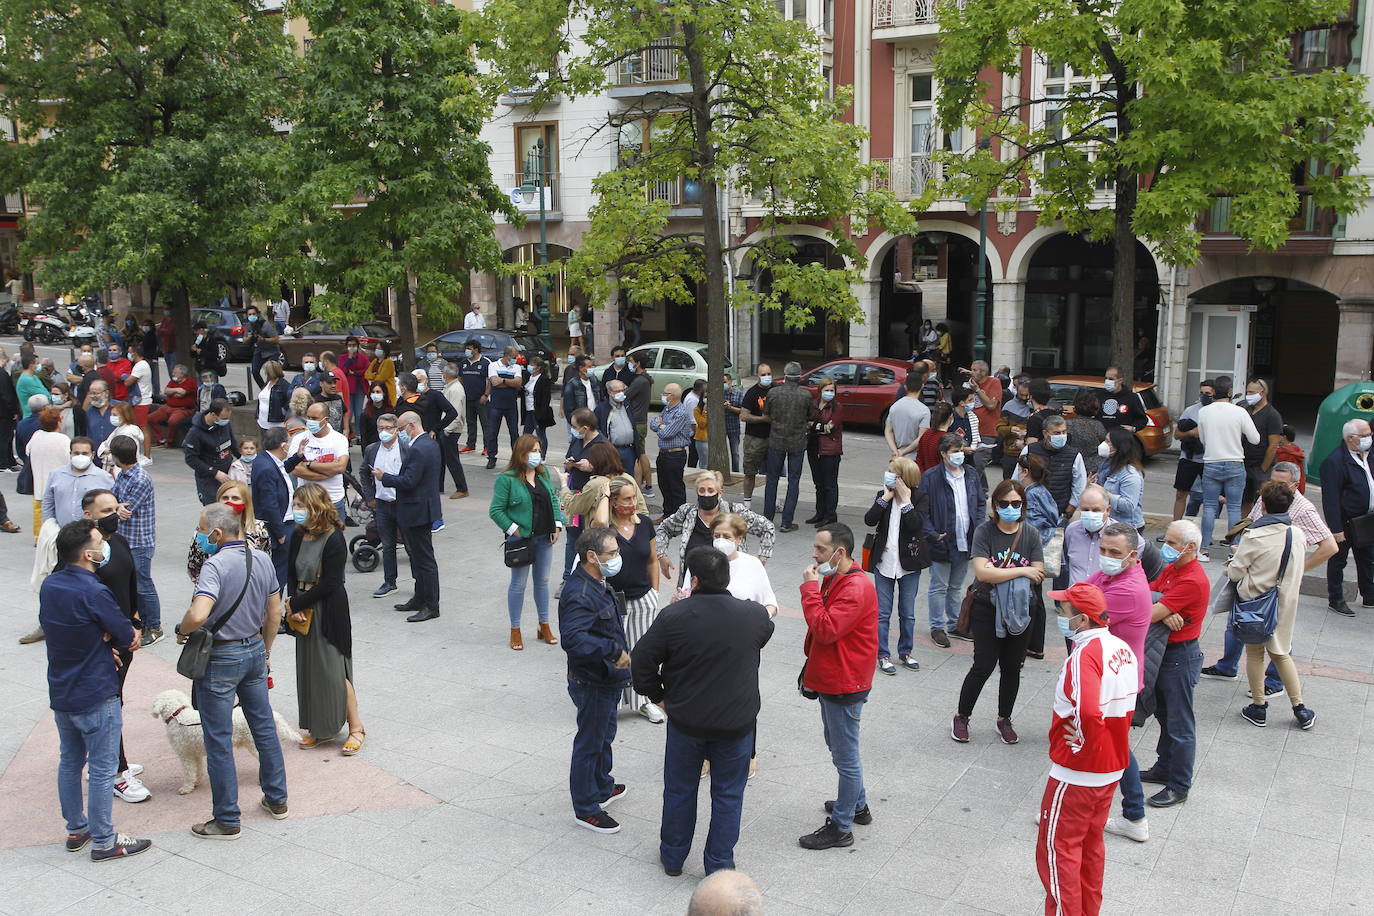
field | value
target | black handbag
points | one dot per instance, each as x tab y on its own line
194	660
24	484
518	552
1360	530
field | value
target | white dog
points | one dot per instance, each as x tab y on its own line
184	734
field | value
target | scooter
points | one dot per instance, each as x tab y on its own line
9	319
44	326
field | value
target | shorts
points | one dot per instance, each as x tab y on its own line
141	414
1254	479
755	455
641	436
1187	474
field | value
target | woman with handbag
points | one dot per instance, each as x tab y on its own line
956	498
637	578
316	612
1270	559
1042	512
897	555
525	506
536	411
825	448
236	495
1008	564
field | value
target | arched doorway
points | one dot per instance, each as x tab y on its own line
822	338
929	275
1068	310
519	290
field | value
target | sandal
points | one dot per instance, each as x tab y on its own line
310	741
352	746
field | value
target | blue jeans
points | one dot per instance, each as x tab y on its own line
794	461
1220	477
495	417
1177	746
532	428
906	587
734	450
947	591
238	670
515	592
840	722
570	551
1132	792
89	738
385	515
589	773
682	759
147	591
1229	663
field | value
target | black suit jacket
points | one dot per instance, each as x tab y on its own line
1345	491
365	478
271	497
417	485
543	409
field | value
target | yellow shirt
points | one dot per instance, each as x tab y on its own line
383	370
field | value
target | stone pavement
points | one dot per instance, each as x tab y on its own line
459	802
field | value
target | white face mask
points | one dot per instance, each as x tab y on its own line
1110	384
1103	450
726	546
81	462
1366	442
1253	398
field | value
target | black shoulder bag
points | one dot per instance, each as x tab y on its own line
195	654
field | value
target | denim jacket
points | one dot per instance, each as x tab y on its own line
592	632
1125	488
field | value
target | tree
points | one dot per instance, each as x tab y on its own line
1177	104
386	177
750	109
145	167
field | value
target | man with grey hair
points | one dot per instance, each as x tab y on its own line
726	893
1347	494
1065	474
236	597
386	454
674	428
987	407
787	408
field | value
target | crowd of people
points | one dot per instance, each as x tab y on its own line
675	632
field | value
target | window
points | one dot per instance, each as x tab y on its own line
876	375
842	373
647	356
640	135
678	360
828	16
526	164
1061	85
799	11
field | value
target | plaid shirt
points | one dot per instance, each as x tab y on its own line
1305	518
735	398
788	406
134	488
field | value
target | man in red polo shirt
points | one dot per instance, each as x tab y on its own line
1184	594
987	407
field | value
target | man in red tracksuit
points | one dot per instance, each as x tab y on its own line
841	609
1089	749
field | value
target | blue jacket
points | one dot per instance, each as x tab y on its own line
592	632
76	611
417	485
271	498
1042	511
1124	489
941	520
1345	491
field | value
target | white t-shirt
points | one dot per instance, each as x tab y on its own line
891	564
143	375
529	391
388	461
329	447
956	486
574	322
749	580
473	321
265	395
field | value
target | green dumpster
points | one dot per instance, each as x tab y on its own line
1353	402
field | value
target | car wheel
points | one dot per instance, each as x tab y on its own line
221	352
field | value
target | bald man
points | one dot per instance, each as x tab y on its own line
726	893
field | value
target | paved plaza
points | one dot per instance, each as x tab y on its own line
459	802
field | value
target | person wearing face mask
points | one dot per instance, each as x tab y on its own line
238	496
317	614
897	556
274	397
1084	533
265	342
1122	474
734	401
825	447
1008	562
209	448
242	468
536	409
841	611
98	411
89	630
117	572
618	368
692	523
473	369
436	411
955	496
450	435
66	485
617	423
116	370
1348	494
637	578
205	351
580	390
320	455
137	513
505	379
748	576
388	454
378	402
1225	429
674	429
180	406
418	511
524	504
787	408
271	487
701	659
1065	472
1089	739
637	395
756	427
1259	456
309	376
1011	426
1121	407
474	320
381	370
1190	463
354	364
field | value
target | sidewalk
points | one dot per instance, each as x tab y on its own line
459	802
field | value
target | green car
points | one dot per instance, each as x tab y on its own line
673	361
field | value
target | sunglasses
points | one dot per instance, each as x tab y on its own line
1009	504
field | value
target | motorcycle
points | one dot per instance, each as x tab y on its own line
44	326
9	319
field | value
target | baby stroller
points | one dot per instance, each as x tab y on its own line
366	547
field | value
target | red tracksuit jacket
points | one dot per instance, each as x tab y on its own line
1095	698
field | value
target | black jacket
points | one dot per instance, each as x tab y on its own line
209	448
701	655
575	393
417	484
436	411
328	596
1345	491
365	478
592	632
911	547
278	400
543	409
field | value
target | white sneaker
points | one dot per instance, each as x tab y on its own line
653	713
135	769
130	788
1131	830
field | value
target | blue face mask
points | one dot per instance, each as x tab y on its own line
386	436
1093	521
571	359
299	516
104	554
611	568
620	362
828	568
248	459
314	426
205	545
1064	629
404	436
534	459
1110	565
222	422
956	458
577	433
828	394
1059	440
1168	554
889	479
1009	513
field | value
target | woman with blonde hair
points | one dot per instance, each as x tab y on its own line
300	401
126	425
897	556
637	578
236	495
691	523
317	614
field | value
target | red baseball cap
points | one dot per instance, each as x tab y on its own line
1086	599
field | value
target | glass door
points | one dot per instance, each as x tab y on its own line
1218	344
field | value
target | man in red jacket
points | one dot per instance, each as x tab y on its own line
841	609
1089	749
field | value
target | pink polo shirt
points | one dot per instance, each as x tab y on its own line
1128	608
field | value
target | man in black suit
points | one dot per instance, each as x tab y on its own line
386	454
272	485
417	509
580	389
1348	493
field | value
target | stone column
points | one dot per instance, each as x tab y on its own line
1008	324
865	339
482	288
1355	341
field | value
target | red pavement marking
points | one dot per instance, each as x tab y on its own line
319	781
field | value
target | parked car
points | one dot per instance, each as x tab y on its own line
865	387
229	328
318	335
673	361
1154	438
492	342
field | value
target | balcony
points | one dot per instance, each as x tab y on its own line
894	19
683	194
657	68
906	176
1310	229
552	203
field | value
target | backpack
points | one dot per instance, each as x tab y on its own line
1291	451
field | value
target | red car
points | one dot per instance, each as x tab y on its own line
866	387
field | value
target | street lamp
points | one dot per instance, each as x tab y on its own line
531	183
981	346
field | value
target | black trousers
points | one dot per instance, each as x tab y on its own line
670	466
448	447
1364	571
825	473
6	442
476	415
206	488
989	652
419	543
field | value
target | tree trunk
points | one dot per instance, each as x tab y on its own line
181	317
404	314
713	245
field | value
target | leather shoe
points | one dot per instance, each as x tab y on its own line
423	614
1154	776
671	872
458	494
1166	798
1341	607
408	606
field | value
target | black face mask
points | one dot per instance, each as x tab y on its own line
109	524
708	502
1204	399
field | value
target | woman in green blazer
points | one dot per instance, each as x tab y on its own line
524	504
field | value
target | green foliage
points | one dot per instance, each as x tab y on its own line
145	168
384	180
